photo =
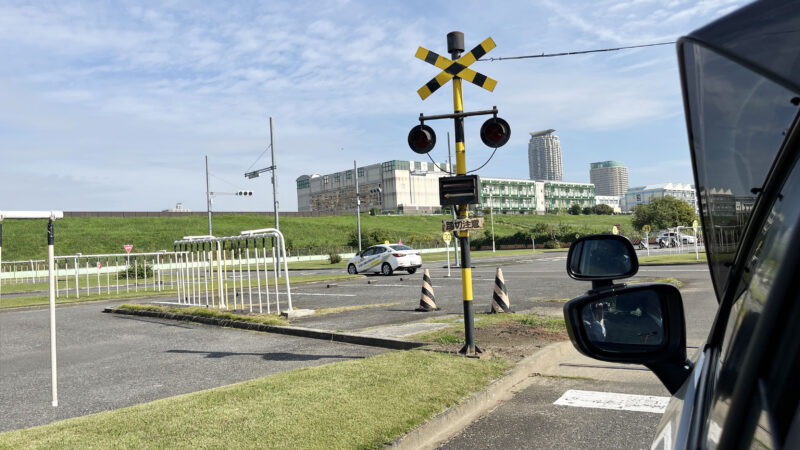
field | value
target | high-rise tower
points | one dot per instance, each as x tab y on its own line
544	156
609	178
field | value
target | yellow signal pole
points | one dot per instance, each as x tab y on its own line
455	46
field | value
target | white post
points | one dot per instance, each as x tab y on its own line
52	277
647	241
448	258
77	280
696	252
491	215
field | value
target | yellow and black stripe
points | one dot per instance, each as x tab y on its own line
459	68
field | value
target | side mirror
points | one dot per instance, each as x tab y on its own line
602	257
640	324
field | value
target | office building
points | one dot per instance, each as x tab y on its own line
640	195
404	187
544	156
609	178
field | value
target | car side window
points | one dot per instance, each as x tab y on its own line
764	260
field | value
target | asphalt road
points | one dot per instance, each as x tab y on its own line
110	361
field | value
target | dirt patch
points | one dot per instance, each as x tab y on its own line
510	340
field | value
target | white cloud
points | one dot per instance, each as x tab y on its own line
152	88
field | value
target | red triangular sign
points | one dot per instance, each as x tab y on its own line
128	247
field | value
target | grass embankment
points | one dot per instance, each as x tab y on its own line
683	258
455	335
22	240
354	404
38	300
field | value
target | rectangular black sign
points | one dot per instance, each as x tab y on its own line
459	190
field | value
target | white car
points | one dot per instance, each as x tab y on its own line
385	258
669	239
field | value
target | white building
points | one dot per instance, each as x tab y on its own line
544	156
406	187
641	195
611	200
610	178
514	196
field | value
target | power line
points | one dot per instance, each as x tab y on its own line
581	52
259	157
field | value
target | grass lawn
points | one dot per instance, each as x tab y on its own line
428	257
267	319
361	403
683	258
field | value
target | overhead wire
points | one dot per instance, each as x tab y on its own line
580	52
259	157
550	55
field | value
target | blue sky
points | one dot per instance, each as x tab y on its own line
113	105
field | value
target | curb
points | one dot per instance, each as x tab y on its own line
393	344
453	420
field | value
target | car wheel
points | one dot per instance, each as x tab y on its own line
351	269
386	269
411	270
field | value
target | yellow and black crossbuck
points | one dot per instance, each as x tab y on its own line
459	68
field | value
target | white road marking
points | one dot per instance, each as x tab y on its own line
612	400
323	294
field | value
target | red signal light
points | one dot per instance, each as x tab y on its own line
421	139
495	132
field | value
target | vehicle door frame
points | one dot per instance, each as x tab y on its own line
780	295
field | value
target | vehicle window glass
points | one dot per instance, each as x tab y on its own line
738	119
763	262
401	247
369	252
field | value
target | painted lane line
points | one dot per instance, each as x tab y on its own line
322	294
612	400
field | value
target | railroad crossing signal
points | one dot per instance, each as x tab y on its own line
462	189
495	132
459	68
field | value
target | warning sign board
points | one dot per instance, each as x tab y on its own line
463	224
128	247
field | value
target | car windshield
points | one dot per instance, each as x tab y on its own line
401	247
738	121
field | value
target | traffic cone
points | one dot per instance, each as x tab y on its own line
427	302
500	303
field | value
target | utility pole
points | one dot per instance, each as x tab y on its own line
358	204
274	175
208	199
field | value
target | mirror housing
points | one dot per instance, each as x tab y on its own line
622	341
602	257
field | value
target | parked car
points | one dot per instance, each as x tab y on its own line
740	78
385	258
672	239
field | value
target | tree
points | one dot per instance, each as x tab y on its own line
663	213
587	210
575	209
602	208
